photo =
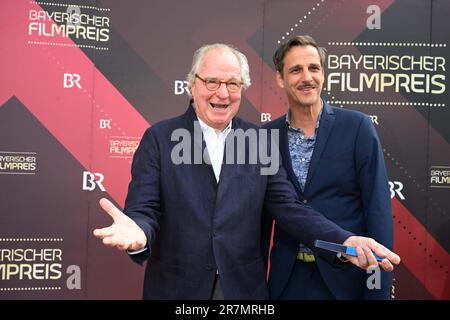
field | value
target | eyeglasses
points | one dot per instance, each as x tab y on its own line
212	84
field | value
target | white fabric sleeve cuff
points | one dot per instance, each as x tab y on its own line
341	257
132	252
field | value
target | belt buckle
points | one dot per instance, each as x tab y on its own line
309	257
306	257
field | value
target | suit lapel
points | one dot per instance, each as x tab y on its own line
198	144
228	170
325	128
286	156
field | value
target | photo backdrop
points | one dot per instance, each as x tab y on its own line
80	81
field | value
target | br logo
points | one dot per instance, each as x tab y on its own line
265	117
90	180
71	80
105	123
181	87
396	188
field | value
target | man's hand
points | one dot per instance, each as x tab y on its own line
124	233
366	260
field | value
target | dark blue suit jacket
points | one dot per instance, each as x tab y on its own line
196	226
347	182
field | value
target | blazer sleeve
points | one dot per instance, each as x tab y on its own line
302	222
142	203
373	182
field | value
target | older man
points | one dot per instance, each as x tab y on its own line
198	223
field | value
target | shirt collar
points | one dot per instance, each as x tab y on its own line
209	130
288	116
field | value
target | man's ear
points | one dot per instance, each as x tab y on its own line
280	81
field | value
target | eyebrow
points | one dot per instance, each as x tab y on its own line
297	66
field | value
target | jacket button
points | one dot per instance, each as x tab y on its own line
305	201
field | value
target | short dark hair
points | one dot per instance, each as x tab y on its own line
305	40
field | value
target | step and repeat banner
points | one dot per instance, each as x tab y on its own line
80	81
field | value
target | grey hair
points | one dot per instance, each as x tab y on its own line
198	59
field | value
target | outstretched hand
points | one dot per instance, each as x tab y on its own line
366	260
124	233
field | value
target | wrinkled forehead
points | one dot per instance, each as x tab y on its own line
220	61
302	55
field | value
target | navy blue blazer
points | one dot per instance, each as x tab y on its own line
348	183
196	226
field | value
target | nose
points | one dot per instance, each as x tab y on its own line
222	91
306	76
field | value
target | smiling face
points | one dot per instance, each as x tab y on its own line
217	108
302	77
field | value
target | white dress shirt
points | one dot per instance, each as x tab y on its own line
215	144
